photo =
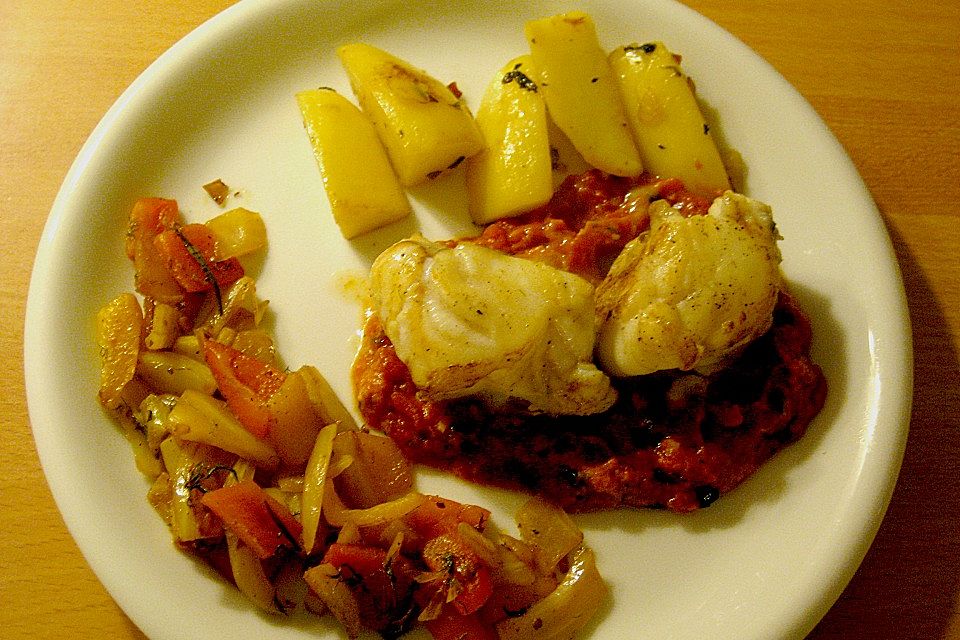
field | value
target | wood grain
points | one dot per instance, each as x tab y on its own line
883	74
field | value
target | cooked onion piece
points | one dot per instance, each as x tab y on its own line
469	320
567	609
549	530
314	480
338	515
326	582
249	576
325	400
246	568
517	562
379	472
692	291
295	424
241	308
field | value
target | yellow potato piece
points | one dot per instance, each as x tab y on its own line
119	324
203	419
670	130
581	93
425	127
360	183
238	232
513	174
296	423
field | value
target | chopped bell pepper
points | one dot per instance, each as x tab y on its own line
258	520
437	516
149	218
461	573
247	384
453	625
383	586
190	253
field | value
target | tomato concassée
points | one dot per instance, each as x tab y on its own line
673	440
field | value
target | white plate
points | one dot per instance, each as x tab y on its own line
764	562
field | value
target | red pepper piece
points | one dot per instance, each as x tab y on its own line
190	255
247	383
257	519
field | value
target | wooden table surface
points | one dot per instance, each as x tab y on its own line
884	75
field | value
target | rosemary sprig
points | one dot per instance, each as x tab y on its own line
201	473
204	266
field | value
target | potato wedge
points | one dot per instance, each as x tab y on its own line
296	422
670	130
162	329
172	372
119	324
324	399
425	127
202	419
513	173
361	186
581	93
238	232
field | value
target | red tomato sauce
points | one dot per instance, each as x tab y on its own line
587	222
673	440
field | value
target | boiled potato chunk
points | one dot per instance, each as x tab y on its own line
237	232
425	128
296	423
513	173
360	183
581	92
670	130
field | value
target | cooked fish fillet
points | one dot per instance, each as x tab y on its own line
691	291
469	320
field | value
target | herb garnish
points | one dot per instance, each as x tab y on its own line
207	271
200	474
522	79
